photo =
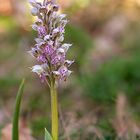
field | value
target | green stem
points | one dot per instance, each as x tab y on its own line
54	109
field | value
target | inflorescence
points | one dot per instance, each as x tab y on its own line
49	49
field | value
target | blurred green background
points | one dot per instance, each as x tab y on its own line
101	100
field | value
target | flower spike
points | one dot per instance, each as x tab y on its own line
49	49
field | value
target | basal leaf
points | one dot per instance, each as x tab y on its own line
15	132
47	135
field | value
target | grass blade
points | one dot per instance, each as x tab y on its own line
15	133
47	135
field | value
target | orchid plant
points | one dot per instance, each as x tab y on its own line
50	51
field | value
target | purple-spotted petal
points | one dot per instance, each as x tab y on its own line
41	30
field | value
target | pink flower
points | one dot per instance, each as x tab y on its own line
49	49
41	31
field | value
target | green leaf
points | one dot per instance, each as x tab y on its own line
15	133
47	135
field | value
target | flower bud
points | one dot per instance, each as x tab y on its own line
37	69
47	38
34	11
55	7
60	51
56	74
35	27
68	63
42	9
34	52
32	2
39	22
66	46
61	38
62	16
39	40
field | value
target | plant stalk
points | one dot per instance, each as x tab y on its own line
54	111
